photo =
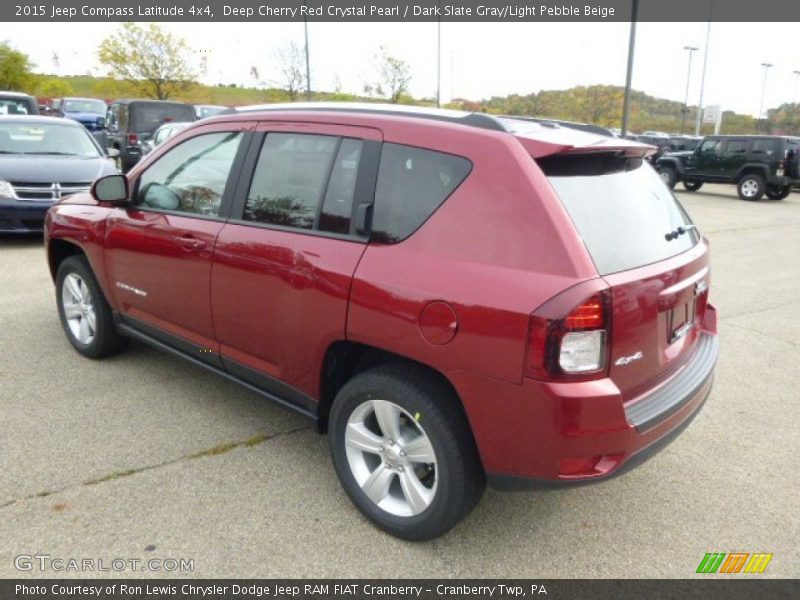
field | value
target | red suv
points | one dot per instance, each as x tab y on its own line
452	297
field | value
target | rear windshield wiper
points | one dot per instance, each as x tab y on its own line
53	153
675	234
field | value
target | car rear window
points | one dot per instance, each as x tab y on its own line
148	117
412	184
625	214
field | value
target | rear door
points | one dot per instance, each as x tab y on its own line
734	157
284	263
647	250
158	252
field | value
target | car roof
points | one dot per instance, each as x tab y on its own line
82	98
148	101
540	138
39	119
15	94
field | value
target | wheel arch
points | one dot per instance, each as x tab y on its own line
345	359
59	250
753	168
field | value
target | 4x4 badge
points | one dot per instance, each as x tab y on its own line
626	360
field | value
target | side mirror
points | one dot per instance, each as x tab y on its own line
112	152
111	188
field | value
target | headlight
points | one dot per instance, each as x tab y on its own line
6	190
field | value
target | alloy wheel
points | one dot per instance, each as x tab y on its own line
79	312
749	188
391	458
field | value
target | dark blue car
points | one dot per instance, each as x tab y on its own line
43	159
89	112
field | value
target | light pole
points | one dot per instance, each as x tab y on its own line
763	92
796	81
626	103
438	63
308	59
703	76
691	50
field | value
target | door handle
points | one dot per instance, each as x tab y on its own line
190	243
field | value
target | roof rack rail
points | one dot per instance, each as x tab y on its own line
479	120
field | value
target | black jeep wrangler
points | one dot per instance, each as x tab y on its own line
757	164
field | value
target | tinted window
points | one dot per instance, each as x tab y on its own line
147	117
621	209
765	147
412	184
735	147
711	148
15	106
192	176
338	203
290	178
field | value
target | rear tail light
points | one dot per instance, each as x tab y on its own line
569	339
133	139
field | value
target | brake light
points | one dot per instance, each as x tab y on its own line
569	341
133	139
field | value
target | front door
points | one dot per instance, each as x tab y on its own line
284	263
159	250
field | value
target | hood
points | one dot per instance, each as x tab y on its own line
48	169
84	117
679	153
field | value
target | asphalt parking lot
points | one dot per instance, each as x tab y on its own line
143	456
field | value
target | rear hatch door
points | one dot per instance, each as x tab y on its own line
646	248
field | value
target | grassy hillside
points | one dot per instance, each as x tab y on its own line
599	104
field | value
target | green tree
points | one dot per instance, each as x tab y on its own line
394	75
54	88
154	60
15	68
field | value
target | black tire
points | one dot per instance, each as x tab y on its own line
692	186
105	340
457	480
778	192
751	187
669	176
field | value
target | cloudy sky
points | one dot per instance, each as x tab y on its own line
479	60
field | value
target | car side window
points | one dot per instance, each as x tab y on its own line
191	177
292	175
736	147
412	184
711	148
764	147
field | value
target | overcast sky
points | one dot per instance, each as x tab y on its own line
479	60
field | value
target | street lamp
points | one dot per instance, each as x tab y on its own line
763	91
796	80
691	50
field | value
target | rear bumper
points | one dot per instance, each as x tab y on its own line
22	216
544	434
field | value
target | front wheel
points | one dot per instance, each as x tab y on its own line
669	176
84	312
751	187
404	452
692	186
776	192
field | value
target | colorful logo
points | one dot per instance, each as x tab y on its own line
736	562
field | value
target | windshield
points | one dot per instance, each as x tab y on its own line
46	138
96	107
625	214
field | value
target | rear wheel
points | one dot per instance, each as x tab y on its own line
669	176
404	452
776	192
692	186
751	187
84	312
